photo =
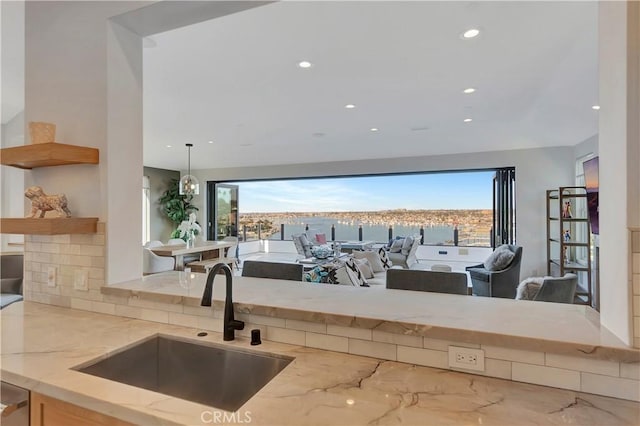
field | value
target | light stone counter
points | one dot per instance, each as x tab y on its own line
517	324
41	343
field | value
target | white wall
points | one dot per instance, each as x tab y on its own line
12	183
83	75
618	173
536	171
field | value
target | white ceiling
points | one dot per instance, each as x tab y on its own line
235	80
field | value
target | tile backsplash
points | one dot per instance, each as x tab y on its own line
54	263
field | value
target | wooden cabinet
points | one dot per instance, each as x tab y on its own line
569	238
47	155
47	411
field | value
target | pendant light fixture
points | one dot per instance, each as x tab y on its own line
189	185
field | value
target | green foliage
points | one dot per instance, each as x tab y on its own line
177	207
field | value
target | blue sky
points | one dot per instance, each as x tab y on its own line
468	190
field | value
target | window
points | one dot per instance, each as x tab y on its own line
580	209
445	208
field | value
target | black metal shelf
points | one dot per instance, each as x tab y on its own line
568	250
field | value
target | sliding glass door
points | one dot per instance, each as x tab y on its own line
504	207
223	202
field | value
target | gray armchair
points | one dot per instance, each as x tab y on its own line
406	257
435	281
11	272
558	290
501	283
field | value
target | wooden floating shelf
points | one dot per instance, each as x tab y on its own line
48	154
49	225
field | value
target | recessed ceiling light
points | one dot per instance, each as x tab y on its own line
349	106
469	90
210	141
468	120
596	107
471	33
305	64
374	129
168	146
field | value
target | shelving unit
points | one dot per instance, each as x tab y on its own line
47	155
573	253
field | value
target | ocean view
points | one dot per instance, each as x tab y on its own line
473	225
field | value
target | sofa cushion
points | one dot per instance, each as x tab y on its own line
365	268
406	245
355	275
479	274
374	259
396	246
384	258
500	259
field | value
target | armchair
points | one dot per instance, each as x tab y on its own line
406	256
11	273
502	283
558	289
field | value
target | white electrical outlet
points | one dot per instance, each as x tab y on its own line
51	276
81	280
466	358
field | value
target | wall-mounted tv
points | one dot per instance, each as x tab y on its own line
592	183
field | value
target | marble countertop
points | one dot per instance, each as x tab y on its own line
41	343
549	327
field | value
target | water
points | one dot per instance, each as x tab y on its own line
379	233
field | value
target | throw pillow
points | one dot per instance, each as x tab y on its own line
396	246
321	238
315	275
499	259
365	268
528	288
384	258
374	260
354	273
406	246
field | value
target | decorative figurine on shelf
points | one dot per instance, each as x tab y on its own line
567	236
42	132
44	203
565	256
566	211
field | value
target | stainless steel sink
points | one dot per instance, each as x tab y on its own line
209	374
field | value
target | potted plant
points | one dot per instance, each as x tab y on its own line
177	207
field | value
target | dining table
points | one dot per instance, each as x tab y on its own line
206	250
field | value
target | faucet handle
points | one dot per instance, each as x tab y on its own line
236	324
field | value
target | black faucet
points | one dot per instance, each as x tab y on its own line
229	324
